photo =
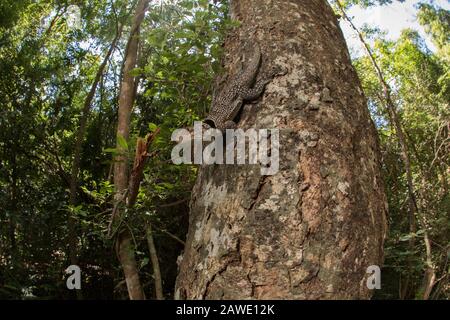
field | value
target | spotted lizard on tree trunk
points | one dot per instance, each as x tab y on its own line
227	105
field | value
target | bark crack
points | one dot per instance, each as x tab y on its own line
211	280
256	196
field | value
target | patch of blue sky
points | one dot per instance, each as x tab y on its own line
392	19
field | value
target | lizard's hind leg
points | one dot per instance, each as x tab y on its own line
255	92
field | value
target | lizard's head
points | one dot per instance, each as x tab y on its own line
210	123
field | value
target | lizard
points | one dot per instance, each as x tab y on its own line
227	104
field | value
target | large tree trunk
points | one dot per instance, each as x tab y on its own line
124	245
311	230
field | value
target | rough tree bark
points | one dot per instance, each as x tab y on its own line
124	243
312	230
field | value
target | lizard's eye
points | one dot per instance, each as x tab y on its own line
210	123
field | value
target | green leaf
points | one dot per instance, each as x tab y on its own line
136	72
165	60
110	150
144	262
152	127
122	142
407	237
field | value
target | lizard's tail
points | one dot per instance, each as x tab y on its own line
248	77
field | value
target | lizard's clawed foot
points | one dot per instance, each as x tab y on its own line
279	71
230	125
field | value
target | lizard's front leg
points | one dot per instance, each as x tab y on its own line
229	125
